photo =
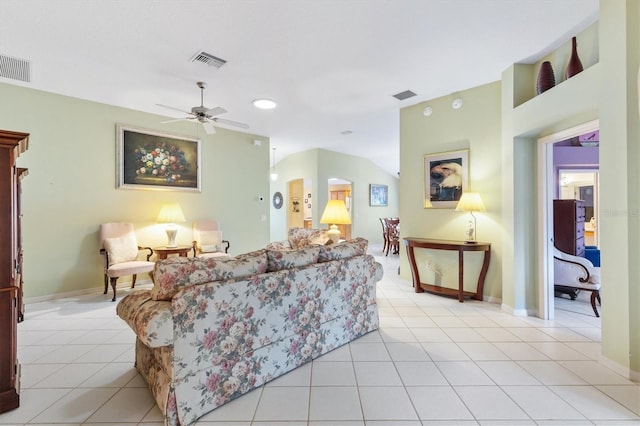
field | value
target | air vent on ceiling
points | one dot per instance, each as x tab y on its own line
15	68
404	95
208	59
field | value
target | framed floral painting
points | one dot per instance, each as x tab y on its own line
154	160
446	175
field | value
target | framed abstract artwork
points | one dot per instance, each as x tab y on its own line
152	160
378	195
446	175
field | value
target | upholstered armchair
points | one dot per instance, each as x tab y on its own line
120	248
207	239
574	272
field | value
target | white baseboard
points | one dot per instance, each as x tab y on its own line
93	290
620	369
494	300
519	312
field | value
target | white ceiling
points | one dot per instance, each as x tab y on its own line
332	65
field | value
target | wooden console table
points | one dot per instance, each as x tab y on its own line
460	247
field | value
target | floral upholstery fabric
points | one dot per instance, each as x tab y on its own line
233	336
150	319
170	275
287	259
355	247
279	245
302	237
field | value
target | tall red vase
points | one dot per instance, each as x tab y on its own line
575	65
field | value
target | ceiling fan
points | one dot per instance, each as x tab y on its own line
206	116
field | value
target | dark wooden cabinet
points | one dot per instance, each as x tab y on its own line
568	226
12	144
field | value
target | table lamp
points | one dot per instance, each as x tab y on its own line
470	202
171	214
335	213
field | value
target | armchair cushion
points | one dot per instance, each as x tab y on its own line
121	249
210	241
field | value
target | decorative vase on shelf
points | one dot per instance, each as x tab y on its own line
575	65
546	78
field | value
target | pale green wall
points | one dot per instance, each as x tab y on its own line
620	181
475	126
316	167
606	90
71	187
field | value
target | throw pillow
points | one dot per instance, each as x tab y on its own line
210	241
318	237
287	259
355	247
121	249
298	237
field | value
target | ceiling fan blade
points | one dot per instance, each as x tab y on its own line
175	109
208	127
177	119
215	111
231	123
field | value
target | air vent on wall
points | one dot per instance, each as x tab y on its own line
15	68
404	95
208	59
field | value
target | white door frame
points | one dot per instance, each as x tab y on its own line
545	213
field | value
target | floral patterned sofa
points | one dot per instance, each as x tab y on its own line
213	329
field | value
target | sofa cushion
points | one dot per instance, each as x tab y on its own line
150	319
288	259
171	275
355	247
121	249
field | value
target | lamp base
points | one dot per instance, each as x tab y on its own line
334	234
171	236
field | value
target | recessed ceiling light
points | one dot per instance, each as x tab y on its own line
264	103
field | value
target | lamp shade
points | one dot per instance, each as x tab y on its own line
171	213
470	202
336	212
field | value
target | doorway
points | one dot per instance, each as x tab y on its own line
583	184
299	204
548	189
341	189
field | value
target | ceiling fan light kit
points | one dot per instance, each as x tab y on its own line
206	116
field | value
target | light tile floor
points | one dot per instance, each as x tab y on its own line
434	361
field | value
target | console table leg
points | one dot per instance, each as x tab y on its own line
460	276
